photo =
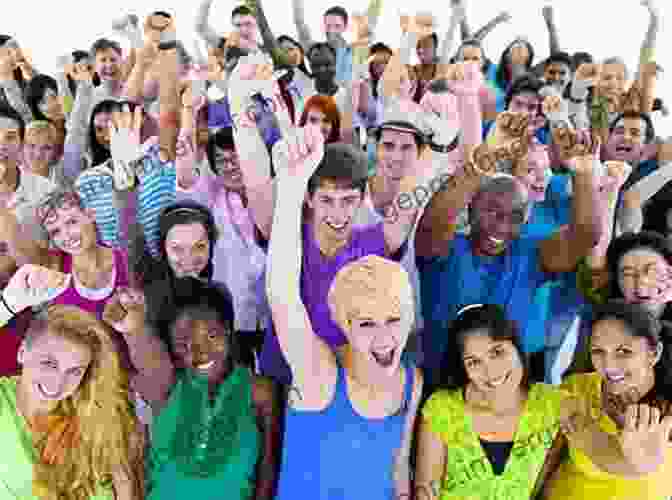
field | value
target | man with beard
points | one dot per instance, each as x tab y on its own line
494	264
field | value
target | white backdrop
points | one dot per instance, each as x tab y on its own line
48	29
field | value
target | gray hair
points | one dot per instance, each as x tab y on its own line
501	183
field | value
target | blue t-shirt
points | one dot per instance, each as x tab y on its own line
460	278
555	211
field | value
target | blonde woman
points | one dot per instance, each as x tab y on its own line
67	427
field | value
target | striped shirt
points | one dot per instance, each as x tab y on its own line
156	192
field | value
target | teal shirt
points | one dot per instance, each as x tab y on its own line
225	440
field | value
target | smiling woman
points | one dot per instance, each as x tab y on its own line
486	429
48	415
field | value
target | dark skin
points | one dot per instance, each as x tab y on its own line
198	342
210	341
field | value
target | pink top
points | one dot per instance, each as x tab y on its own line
72	297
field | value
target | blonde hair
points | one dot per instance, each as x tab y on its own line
370	281
108	436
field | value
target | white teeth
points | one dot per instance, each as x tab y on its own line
499	381
206	366
496	241
337	227
47	393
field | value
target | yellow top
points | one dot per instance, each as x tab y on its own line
579	478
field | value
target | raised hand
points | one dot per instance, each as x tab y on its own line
645	439
555	109
571	143
509	128
297	155
125	311
125	145
588	163
33	285
589	74
547	12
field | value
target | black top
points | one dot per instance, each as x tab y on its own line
498	454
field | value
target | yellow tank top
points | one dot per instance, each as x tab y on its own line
579	478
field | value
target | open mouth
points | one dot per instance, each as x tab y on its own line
339	228
538	189
384	358
624	149
46	394
499	381
205	366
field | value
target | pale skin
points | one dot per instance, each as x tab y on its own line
625	364
260	189
312	362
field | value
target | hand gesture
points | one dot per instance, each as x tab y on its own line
125	145
555	109
360	24
232	40
645	439
298	154
33	285
576	415
125	311
589	74
571	143
81	73
588	163
510	127
547	12
631	101
483	162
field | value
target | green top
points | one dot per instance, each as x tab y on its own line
468	473
18	453
201	449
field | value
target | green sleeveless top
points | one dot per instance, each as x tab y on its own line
468	473
18	453
201	449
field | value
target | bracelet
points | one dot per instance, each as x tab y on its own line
4	303
168	45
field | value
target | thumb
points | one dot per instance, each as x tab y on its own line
667	427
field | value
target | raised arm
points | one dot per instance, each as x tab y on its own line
247	79
465	29
270	41
647	52
501	18
617	173
302	29
155	376
169	102
553	38
456	17
202	26
562	251
311	361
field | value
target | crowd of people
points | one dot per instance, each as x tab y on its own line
443	280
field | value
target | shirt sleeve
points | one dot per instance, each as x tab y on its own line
156	193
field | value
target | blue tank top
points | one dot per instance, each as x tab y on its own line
336	454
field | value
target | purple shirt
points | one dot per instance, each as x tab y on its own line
317	274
